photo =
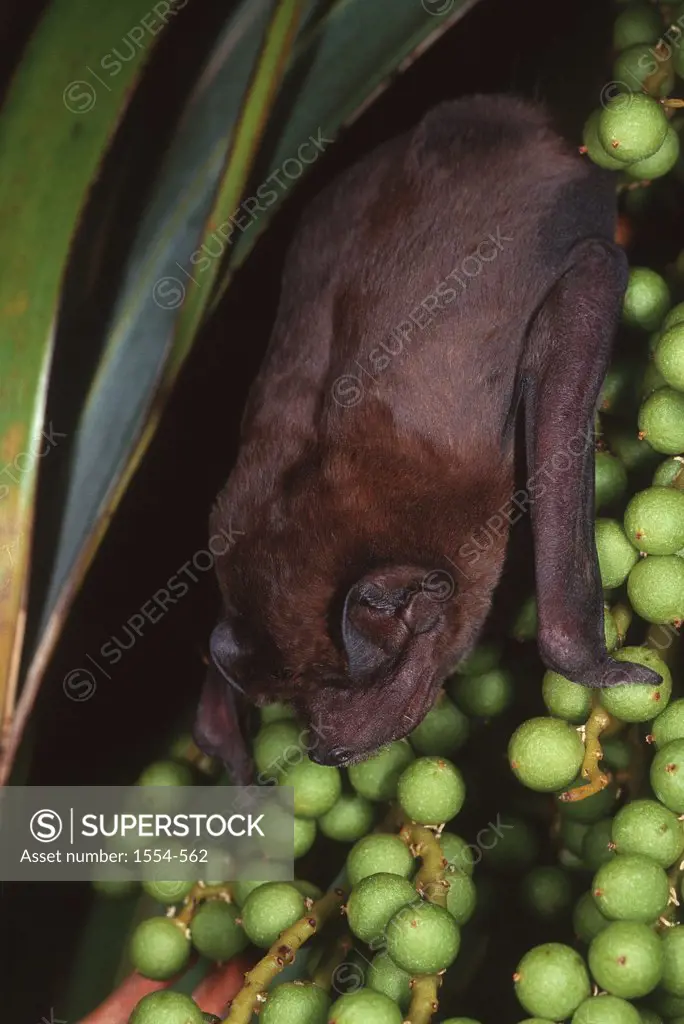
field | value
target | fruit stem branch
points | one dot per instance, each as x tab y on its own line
431	884
198	894
281	953
424	1000
598	722
430	881
324	974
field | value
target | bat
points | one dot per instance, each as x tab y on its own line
457	278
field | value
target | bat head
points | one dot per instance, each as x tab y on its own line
354	619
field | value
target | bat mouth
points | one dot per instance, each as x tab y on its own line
344	755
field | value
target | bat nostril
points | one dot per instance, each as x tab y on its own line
333	758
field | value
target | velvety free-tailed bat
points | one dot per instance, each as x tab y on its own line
455	274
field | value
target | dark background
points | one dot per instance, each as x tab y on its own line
560	54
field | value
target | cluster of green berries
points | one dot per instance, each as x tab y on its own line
645	548
631	132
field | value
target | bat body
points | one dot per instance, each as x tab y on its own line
457	277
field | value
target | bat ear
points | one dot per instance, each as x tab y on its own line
382	615
218	729
225	650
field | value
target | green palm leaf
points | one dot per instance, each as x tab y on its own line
57	122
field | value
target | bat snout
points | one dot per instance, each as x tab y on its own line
335	757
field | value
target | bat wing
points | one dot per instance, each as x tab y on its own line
566	357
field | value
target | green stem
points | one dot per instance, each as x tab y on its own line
337	955
281	953
430	883
598	722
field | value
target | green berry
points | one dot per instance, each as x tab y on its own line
654	520
423	939
605	1009
647	297
317	787
668	472
638	23
667	776
166	1007
276	746
546	891
461	896
667	1004
364	1007
572	834
376	853
648	1016
431	790
114	888
617	753
376	778
166	773
631	887
307	889
456	852
594	146
526	621
663	160
621	387
471	1020
626	959
661	421
616	556
269	910
566	699
384	976
647	828
276	712
167	892
295	1002
636	454
638	702
484	658
610	479
651	381
304	836
669	356
656	588
551	981
610	630
669	725
485	695
673	960
215	932
159	948
587	919
545	754
675	316
374	901
443	731
597	846
636	64
243	887
349	819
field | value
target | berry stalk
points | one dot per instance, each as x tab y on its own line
430	883
279	955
